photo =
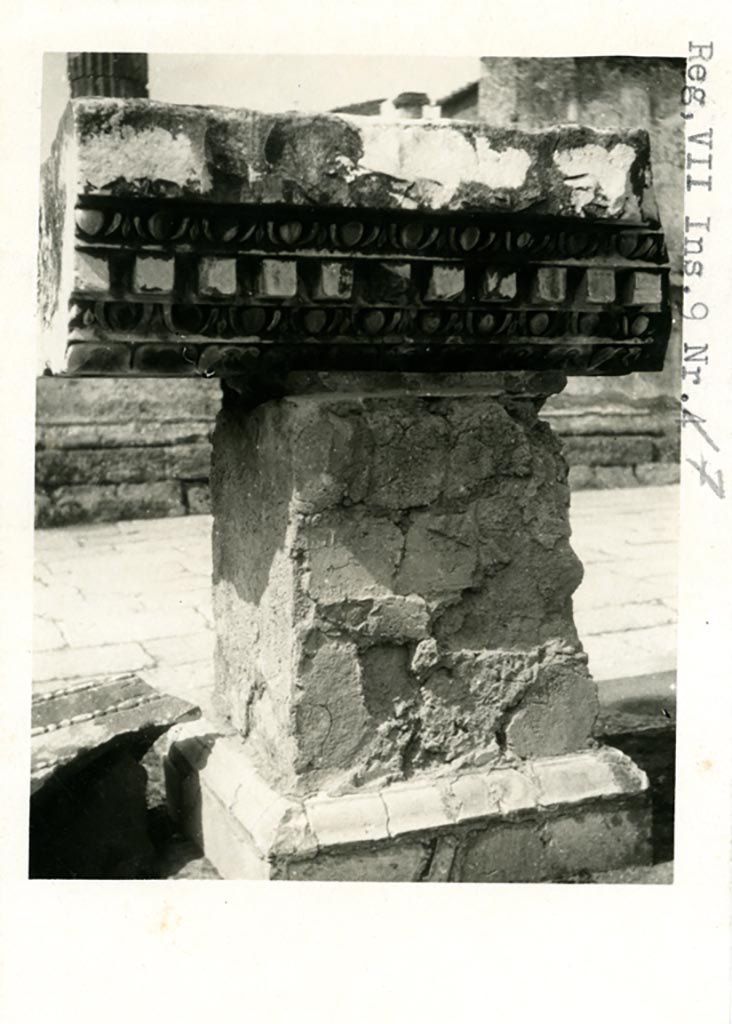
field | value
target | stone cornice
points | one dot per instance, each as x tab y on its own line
207	241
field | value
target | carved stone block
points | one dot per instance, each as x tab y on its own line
337	243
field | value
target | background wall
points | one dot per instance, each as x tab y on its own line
606	92
121	449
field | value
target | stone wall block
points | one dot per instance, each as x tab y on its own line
588	777
57	467
400	862
412	808
105	503
352	819
596	841
556	715
606	450
657	474
410	452
504	853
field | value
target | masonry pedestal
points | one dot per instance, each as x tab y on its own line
403	692
396	653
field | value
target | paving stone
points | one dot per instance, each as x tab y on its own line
55	599
622	618
640	653
185	680
79	661
110	628
46	635
177	650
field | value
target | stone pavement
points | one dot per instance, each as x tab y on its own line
136	595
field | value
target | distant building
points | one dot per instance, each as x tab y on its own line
367	107
462	103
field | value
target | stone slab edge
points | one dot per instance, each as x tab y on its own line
140	148
212	782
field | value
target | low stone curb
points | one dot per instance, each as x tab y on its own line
248	830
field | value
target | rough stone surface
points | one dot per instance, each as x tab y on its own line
558	847
139	147
490	825
393	583
401	862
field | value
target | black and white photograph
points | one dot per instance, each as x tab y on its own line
372	506
357	470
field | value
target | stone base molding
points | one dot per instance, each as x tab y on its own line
523	821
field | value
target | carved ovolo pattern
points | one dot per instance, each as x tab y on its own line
95	320
179	288
225	229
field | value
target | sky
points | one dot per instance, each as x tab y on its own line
278	82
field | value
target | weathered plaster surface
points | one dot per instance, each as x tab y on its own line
142	148
393	581
598	175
